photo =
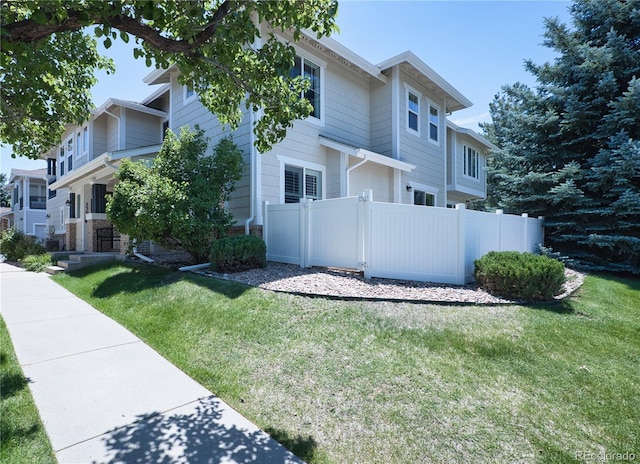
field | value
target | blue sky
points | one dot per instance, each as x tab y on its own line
477	46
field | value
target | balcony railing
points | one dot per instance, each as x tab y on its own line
38	202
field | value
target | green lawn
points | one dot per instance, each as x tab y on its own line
370	382
22	437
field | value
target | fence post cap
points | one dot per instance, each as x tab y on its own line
461	206
499	211
525	215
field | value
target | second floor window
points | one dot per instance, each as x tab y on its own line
434	124
311	71
471	163
413	111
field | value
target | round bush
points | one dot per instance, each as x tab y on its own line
238	253
15	245
519	276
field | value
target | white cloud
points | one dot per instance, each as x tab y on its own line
471	122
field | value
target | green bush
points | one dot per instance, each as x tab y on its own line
15	245
519	276
239	253
37	263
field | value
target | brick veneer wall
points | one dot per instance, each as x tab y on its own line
239	230
71	236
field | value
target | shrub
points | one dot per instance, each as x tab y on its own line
239	253
37	263
519	276
15	245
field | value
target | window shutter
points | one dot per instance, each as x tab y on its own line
98	198
72	206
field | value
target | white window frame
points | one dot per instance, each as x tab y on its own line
415	186
85	140
408	91
305	56
467	170
430	105
304	165
188	97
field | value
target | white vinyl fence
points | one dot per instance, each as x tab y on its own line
393	240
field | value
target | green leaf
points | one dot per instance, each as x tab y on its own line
40	17
107	43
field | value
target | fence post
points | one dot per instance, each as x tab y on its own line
499	234
461	248
305	232
364	232
265	225
525	236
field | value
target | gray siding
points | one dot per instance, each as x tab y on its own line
142	129
428	157
381	119
111	134
99	136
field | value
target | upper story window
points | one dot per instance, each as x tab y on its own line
188	94
413	111
434	124
471	168
308	69
85	139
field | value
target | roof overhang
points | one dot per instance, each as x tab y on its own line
102	166
367	155
129	105
414	66
473	134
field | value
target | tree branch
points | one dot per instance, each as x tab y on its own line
28	31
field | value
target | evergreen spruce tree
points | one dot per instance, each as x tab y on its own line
571	146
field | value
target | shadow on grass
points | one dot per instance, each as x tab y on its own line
12	383
202	436
140	277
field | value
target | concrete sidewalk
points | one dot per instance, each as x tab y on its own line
105	396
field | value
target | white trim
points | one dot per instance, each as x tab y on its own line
283	160
411	90
322	65
465	167
431	104
188	99
460	100
363	153
428	189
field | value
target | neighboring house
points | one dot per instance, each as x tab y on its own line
80	170
381	127
28	212
6	216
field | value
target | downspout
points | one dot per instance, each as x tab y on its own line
119	133
253	158
349	172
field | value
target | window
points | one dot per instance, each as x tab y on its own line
85	139
311	71
165	126
471	163
423	198
61	158
413	111
434	124
301	183
189	94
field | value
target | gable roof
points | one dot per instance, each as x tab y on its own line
429	78
473	134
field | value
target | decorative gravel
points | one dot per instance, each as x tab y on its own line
339	283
